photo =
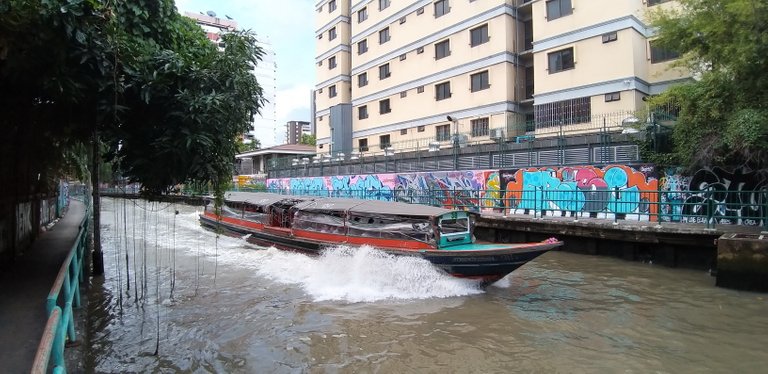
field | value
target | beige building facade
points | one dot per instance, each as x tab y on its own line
404	75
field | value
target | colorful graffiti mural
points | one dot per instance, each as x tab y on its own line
582	190
613	191
728	197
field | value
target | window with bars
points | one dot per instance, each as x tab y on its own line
384	4
443	133
613	96
610	37
362	15
332	91
384	106
478	35
442	91
362	79
479	81
362	145
384	72
442	49
331	6
479	127
561	60
558	8
441	8
362	112
332	33
384	35
404	132
331	62
384	141
661	54
362	46
566	112
420	89
403	94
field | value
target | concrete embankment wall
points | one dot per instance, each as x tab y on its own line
22	221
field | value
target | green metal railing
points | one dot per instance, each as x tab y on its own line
64	294
694	207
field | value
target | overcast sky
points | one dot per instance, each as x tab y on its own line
289	26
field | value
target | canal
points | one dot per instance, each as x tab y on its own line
177	298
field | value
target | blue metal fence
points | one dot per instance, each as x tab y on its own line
64	294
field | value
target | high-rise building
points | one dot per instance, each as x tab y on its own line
294	131
395	73
264	124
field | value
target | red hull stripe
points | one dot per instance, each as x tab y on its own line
375	242
237	221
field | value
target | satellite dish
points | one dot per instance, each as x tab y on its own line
211	13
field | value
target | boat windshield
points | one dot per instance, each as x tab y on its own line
454	226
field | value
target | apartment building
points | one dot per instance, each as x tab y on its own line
264	123
394	75
294	130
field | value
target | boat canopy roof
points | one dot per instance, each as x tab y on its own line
255	198
370	207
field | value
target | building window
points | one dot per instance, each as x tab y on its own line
332	33
402	57
479	127
479	81
362	145
420	11
403	94
420	89
362	112
561	60
402	20
362	79
561	113
332	91
331	62
404	132
320	63
442	91
383	4
384	35
384	141
442	49
362	15
443	133
613	96
659	54
362	46
656	2
478	35
384	106
558	8
420	128
384	72
441	8
331	6
419	50
610	37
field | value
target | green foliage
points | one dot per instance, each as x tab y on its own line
723	114
243	147
308	139
167	104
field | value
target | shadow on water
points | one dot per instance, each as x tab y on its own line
223	305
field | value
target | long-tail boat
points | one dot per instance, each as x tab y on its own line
441	236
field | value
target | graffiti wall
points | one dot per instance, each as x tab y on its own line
725	196
582	191
639	193
460	189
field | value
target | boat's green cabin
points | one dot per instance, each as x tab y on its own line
455	228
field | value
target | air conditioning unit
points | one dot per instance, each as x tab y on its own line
497	134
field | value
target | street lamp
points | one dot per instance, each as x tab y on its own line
455	141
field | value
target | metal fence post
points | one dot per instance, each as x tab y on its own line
616	205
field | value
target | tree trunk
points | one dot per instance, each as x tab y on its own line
98	255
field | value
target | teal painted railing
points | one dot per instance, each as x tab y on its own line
64	294
709	207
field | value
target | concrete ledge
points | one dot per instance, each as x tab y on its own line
742	262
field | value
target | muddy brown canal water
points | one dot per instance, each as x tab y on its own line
176	298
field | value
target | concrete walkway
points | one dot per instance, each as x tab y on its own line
24	287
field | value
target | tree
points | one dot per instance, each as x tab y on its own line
243	147
723	117
308	139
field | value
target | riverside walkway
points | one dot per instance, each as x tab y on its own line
24	287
